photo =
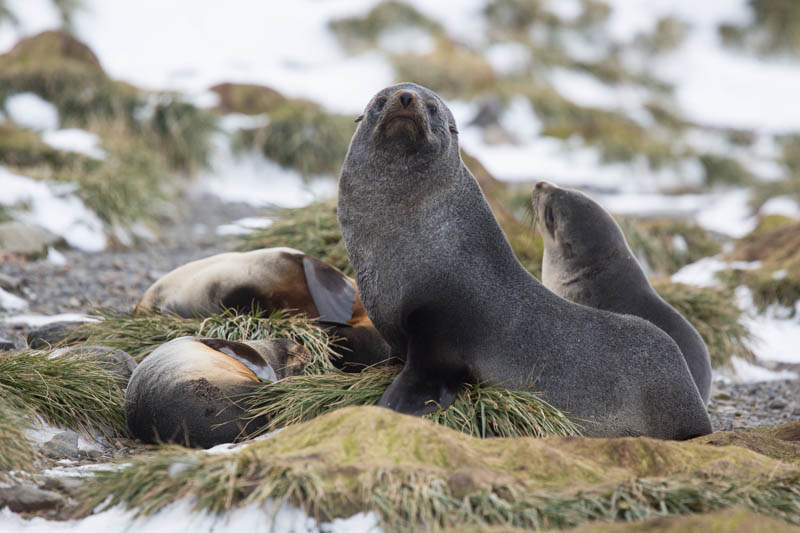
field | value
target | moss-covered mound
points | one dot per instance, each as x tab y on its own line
781	442
715	315
416	474
64	71
776	243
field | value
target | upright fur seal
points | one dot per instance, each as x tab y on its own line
272	279
587	261
188	390
442	285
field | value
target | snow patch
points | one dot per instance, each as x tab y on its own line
53	206
780	205
35	321
181	516
11	302
75	140
729	214
776	331
30	111
703	273
243	226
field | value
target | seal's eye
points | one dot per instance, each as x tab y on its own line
549	220
380	102
432	109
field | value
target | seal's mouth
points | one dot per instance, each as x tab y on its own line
403	118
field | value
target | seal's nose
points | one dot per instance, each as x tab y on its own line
542	185
406	98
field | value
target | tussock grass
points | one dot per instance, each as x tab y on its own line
479	410
66	391
362	32
303	136
313	229
17	453
664	246
715	315
140	334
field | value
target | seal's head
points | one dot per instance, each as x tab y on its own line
406	119
576	231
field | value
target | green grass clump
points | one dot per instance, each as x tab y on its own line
303	136
776	243
362	32
140	334
417	475
180	132
66	391
715	315
668	34
775	28
313	229
479	410
721	170
249	99
666	245
23	148
451	69
17	453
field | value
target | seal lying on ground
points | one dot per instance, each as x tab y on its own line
188	390
439	280
587	261
272	279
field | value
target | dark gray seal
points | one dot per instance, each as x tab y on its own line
189	390
442	285
587	261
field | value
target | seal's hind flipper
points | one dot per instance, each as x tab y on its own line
332	292
419	395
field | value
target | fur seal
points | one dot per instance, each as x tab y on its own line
186	390
442	285
272	279
587	261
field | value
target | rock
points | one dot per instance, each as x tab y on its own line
63	445
777	403
6	344
119	362
51	334
28	241
489	112
69	485
27	499
9	283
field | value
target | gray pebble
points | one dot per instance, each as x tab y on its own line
27	499
63	445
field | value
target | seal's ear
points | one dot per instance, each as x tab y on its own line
453	129
332	292
359	119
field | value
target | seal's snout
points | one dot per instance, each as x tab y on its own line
406	98
543	185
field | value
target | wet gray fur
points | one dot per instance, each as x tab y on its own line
587	261
438	278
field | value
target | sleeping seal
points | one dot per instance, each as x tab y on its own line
587	261
442	285
272	279
188	390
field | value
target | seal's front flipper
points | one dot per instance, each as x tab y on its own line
417	395
332	292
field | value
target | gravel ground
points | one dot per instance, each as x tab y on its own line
116	279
